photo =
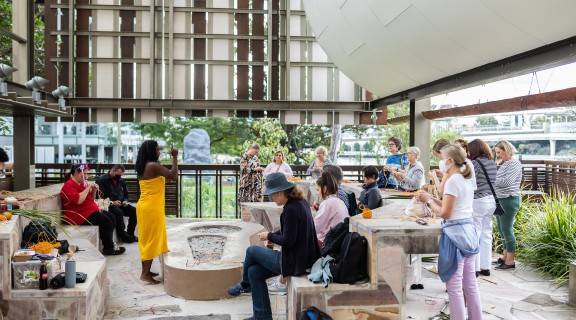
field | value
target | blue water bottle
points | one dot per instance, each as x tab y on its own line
70	271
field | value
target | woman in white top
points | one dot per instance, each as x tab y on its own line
459	242
332	209
278	165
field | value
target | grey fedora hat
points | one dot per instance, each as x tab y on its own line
276	182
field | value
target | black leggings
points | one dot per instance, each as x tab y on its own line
106	223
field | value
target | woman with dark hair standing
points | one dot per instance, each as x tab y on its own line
77	197
152	177
484	203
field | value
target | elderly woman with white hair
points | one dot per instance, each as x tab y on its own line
317	166
413	176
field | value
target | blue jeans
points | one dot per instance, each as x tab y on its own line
260	264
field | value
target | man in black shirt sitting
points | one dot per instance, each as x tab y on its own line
114	187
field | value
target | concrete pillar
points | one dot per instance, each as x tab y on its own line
20	50
101	154
552	148
420	130
24	153
572	285
60	134
83	146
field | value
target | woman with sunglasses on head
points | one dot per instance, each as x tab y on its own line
79	207
507	187
278	165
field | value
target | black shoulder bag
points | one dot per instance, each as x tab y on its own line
499	210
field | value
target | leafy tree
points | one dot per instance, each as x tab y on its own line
443	134
540	120
356	146
6	23
366	146
486	121
302	140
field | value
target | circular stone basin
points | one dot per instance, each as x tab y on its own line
206	248
216	229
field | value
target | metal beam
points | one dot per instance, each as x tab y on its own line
553	99
182	104
11	35
545	57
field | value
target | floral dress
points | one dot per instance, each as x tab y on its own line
250	189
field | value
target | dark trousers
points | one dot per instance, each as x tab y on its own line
106	222
119	212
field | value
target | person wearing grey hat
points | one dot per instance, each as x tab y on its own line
297	237
413	177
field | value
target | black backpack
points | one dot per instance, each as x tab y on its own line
335	237
40	229
351	266
352	209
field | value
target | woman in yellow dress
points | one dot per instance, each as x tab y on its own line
152	239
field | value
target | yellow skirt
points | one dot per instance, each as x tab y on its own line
152	239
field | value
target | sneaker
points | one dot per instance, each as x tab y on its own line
237	290
113	252
277	288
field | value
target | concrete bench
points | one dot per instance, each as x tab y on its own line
341	301
86	301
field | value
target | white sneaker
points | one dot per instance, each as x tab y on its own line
276	287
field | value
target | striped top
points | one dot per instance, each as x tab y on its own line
508	179
482	187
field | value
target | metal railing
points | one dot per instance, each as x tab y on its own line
209	191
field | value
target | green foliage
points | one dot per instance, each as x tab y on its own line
442	134
227	136
302	140
269	137
540	120
208	196
39	42
356	146
486	121
546	234
6	23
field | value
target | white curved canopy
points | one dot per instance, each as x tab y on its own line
388	46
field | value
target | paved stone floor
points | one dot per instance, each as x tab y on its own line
520	294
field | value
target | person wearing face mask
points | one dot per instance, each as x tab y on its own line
114	188
79	207
436	174
459	242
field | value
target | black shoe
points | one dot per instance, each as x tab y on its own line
134	237
499	261
113	252
505	266
129	239
484	272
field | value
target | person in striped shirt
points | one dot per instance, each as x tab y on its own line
507	189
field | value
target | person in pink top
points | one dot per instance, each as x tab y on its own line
278	165
332	209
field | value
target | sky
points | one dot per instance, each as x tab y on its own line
558	78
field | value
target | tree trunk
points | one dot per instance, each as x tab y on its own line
335	142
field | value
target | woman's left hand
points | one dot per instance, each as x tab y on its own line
423	197
263	236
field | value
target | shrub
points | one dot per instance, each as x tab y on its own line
546	234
